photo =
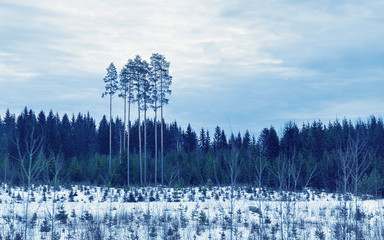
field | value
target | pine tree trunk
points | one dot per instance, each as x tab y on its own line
110	137
129	128
140	161
155	143
120	143
125	118
162	131
145	143
162	147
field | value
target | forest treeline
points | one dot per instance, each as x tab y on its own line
342	156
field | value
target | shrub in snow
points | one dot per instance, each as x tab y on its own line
33	220
140	198
86	217
131	198
45	226
19	236
105	196
183	220
238	213
203	220
62	216
175	196
73	214
71	197
153	232
359	215
267	220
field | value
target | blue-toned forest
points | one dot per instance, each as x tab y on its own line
337	156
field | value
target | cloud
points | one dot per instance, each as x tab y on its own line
12	75
253	62
11	71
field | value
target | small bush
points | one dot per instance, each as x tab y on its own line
45	226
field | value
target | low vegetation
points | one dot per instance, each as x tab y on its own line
89	212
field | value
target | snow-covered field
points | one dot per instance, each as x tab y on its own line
88	212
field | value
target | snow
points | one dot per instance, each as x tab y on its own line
92	212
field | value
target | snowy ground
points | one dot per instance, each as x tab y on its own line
88	212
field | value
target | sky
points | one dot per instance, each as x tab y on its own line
245	64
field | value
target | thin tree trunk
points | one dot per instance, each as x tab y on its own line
129	128
110	136
145	143
125	118
155	143
28	193
140	162
162	147
53	213
120	143
56	173
162	129
53	203
26	209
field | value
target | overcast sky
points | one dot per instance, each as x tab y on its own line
236	64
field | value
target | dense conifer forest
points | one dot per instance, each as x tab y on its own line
341	156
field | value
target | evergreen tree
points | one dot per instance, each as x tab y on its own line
290	142
9	129
126	86
117	136
272	144
217	139
102	136
246	140
207	144
66	136
147	100
190	141
52	136
140	73
202	140
161	69
155	75
91	135
111	86
238	141
41	121
223	140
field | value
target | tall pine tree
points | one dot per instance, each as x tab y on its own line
111	86
164	80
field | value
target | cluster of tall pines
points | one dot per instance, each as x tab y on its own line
148	85
339	156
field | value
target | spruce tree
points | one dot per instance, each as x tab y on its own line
102	136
